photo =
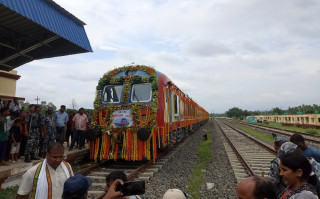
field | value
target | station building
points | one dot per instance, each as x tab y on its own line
302	120
32	30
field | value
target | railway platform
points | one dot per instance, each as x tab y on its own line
11	175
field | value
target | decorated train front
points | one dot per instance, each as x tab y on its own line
137	112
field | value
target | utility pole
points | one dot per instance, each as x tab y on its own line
38	99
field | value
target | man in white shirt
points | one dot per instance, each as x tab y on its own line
34	181
15	105
11	119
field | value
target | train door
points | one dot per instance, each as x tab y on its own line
170	106
166	112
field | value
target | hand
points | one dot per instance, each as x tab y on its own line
112	193
15	144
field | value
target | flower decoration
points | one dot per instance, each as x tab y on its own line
107	110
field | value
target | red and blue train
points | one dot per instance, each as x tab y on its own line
139	111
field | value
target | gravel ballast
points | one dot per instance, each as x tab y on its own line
175	173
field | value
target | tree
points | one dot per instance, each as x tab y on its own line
24	105
234	112
277	110
50	104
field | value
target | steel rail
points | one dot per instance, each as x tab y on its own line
268	148
282	132
244	163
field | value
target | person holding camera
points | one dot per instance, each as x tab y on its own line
120	175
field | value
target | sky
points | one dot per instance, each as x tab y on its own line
250	54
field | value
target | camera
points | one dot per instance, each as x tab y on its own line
131	188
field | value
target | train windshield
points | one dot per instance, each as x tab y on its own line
112	93
141	92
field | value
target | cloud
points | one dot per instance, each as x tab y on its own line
251	54
206	48
252	47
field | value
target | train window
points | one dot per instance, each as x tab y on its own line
112	93
176	105
141	92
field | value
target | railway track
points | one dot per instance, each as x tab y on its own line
248	156
314	140
133	170
98	177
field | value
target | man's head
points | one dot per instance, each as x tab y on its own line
14	115
4	112
278	141
55	154
76	187
81	111
256	187
50	110
62	108
174	194
38	108
299	141
15	100
32	108
113	176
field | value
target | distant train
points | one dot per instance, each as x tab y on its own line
139	111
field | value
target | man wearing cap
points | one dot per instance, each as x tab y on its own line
174	194
34	129
76	187
282	147
50	129
46	179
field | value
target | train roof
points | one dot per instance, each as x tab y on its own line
139	70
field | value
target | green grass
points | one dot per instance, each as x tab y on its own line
197	177
292	128
264	137
9	192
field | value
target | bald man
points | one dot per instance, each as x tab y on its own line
256	187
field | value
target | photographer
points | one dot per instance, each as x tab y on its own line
117	175
112	193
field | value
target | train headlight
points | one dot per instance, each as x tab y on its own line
144	133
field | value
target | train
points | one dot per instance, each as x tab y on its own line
139	112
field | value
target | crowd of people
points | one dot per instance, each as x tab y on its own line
29	133
294	173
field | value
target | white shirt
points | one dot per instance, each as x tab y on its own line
58	177
14	107
9	122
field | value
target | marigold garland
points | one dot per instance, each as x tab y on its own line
133	148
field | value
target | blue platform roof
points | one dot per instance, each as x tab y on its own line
36	29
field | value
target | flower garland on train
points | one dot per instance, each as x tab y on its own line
109	147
